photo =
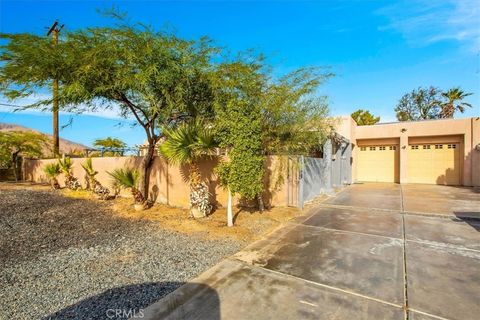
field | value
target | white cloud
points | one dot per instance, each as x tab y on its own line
9	106
429	21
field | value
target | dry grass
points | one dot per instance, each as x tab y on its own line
249	224
24	186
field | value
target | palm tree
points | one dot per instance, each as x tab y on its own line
92	183
52	170
90	173
66	166
128	178
451	105
187	144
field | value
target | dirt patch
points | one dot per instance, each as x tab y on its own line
249	224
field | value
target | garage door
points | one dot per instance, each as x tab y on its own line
378	163
437	163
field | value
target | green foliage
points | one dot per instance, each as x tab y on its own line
151	76
109	143
420	104
364	117
52	170
295	119
20	143
431	103
88	167
66	166
29	62
127	178
450	105
163	81
188	142
238	124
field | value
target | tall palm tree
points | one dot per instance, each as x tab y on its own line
186	144
454	102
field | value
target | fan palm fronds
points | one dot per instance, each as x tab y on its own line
88	167
66	165
188	142
451	105
128	179
52	170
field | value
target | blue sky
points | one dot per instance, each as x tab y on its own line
378	50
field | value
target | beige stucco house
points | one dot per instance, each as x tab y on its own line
445	151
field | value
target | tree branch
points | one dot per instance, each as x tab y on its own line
133	108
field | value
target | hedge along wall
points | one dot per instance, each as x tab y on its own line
169	183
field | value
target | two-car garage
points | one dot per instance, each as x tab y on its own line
430	160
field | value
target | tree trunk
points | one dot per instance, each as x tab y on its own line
146	168
261	206
229	209
14	165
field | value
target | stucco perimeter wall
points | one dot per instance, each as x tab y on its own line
169	183
467	129
475	154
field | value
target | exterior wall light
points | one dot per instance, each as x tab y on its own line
403	130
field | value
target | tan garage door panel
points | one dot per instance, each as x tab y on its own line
434	163
378	164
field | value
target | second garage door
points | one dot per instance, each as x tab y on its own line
437	163
379	163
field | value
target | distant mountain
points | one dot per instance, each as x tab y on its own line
66	146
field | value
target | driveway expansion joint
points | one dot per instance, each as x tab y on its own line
278	273
405	273
343	231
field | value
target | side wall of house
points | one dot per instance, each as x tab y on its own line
474	154
169	183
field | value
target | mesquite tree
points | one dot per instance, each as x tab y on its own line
149	76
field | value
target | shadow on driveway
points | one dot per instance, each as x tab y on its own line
467	218
130	302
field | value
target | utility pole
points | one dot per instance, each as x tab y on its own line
54	31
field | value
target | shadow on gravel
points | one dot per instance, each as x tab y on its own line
131	302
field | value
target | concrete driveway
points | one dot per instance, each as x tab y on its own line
374	251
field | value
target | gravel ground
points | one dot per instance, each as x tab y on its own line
64	258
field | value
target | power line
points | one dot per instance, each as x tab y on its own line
11	105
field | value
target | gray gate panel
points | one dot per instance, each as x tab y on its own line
322	175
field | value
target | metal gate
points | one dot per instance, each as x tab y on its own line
293	179
309	177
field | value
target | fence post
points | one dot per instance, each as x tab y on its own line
301	167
